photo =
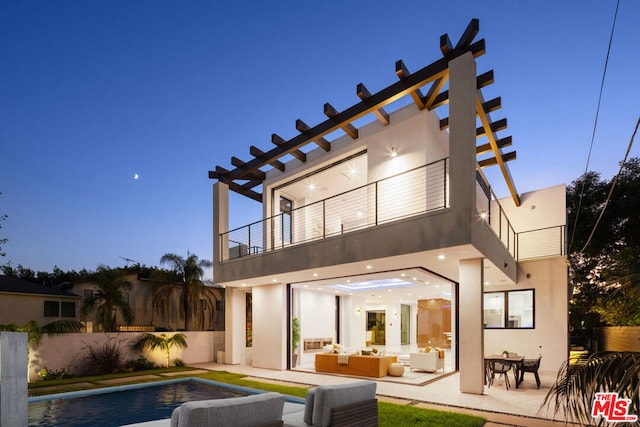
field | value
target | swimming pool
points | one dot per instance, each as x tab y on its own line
116	406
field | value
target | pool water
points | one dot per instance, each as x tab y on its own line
152	402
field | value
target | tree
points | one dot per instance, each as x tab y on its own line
109	298
35	331
163	342
186	281
578	382
605	261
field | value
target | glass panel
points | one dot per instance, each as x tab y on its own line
494	310
285	219
521	309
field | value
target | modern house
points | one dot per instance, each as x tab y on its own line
380	227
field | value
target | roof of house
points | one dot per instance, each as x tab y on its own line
20	286
247	176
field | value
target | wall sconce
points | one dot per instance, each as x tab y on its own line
358	310
394	152
395	314
484	215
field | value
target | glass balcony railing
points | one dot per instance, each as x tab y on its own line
418	191
524	245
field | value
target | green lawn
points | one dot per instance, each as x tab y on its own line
389	414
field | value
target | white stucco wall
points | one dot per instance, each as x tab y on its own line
550	336
542	208
269	326
69	351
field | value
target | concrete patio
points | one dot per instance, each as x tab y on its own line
513	407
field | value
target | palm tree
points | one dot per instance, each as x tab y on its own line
35	331
186	280
109	298
161	341
579	381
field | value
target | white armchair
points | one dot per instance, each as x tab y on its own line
429	362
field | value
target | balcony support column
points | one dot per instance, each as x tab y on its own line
235	319
471	334
220	221
462	139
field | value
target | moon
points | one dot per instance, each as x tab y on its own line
136	176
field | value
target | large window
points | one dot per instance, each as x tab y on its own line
509	309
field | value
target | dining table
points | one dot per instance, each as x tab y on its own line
516	364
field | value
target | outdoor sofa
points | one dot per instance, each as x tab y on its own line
351	404
256	410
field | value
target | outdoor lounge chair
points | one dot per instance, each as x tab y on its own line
351	404
531	365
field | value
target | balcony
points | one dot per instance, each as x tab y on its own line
415	192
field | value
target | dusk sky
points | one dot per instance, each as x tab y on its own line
94	94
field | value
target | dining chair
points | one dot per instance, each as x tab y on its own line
531	365
499	367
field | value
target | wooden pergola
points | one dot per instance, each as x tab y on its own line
246	176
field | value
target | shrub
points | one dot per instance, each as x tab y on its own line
178	362
49	374
105	358
139	364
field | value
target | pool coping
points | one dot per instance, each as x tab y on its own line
113	389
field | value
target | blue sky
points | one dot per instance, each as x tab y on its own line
94	92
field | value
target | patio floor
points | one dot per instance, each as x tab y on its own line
513	407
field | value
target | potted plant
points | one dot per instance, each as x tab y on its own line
505	353
295	340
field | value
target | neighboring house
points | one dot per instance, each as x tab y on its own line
22	301
140	298
390	234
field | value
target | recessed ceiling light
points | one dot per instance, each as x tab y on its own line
403	275
315	274
441	256
244	284
274	280
368	267
388	290
348	281
305	286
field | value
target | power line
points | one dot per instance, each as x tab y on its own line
595	125
613	185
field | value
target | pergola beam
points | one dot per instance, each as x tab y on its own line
256	173
364	95
302	127
482	110
403	72
495	127
282	144
492	161
258	153
341	120
469	34
347	127
501	143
